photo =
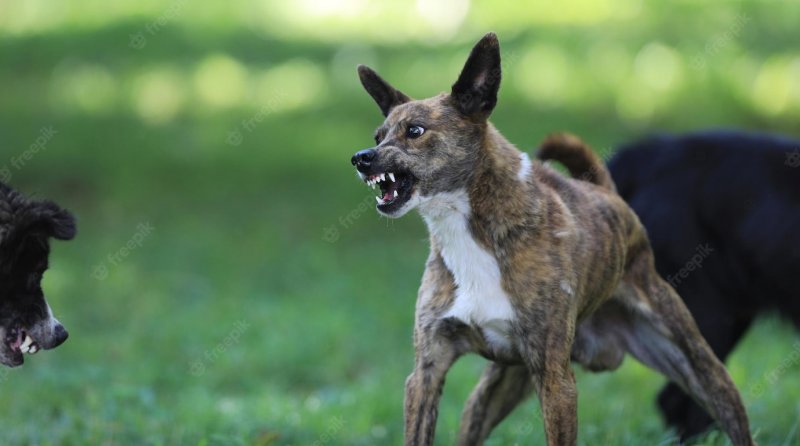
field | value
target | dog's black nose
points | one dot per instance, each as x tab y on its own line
60	335
363	158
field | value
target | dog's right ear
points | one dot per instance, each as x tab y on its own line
384	94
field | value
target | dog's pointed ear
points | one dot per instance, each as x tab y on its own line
475	91
384	94
49	219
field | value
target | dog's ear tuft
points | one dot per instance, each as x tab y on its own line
475	91
52	220
384	94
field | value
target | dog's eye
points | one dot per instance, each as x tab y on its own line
414	131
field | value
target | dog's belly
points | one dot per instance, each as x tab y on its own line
489	316
497	343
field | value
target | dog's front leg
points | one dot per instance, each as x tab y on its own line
437	347
547	330
558	396
424	388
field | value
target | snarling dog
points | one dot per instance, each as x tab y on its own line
26	321
528	268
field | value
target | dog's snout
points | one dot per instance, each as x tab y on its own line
60	335
363	158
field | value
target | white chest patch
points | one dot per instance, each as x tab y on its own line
480	299
524	167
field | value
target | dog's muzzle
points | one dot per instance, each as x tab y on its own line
396	183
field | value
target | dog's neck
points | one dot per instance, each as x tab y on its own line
501	196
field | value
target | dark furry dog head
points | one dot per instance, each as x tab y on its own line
26	321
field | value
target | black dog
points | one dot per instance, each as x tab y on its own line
722	210
26	321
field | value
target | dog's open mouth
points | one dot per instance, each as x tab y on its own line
396	189
19	341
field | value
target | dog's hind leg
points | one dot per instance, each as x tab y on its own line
500	389
660	332
722	331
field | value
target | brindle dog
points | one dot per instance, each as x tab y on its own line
528	268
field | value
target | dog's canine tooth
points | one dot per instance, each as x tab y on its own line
379	200
373	186
27	342
391	177
395	193
383	177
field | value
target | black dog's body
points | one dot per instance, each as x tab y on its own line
722	210
26	321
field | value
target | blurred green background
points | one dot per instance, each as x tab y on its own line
231	283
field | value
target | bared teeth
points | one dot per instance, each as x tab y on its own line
375	179
379	200
395	193
26	344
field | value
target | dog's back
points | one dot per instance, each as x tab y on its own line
722	211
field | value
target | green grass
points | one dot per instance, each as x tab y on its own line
270	305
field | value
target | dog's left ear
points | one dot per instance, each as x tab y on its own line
51	220
475	91
384	94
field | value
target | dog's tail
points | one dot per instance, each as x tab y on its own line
581	161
